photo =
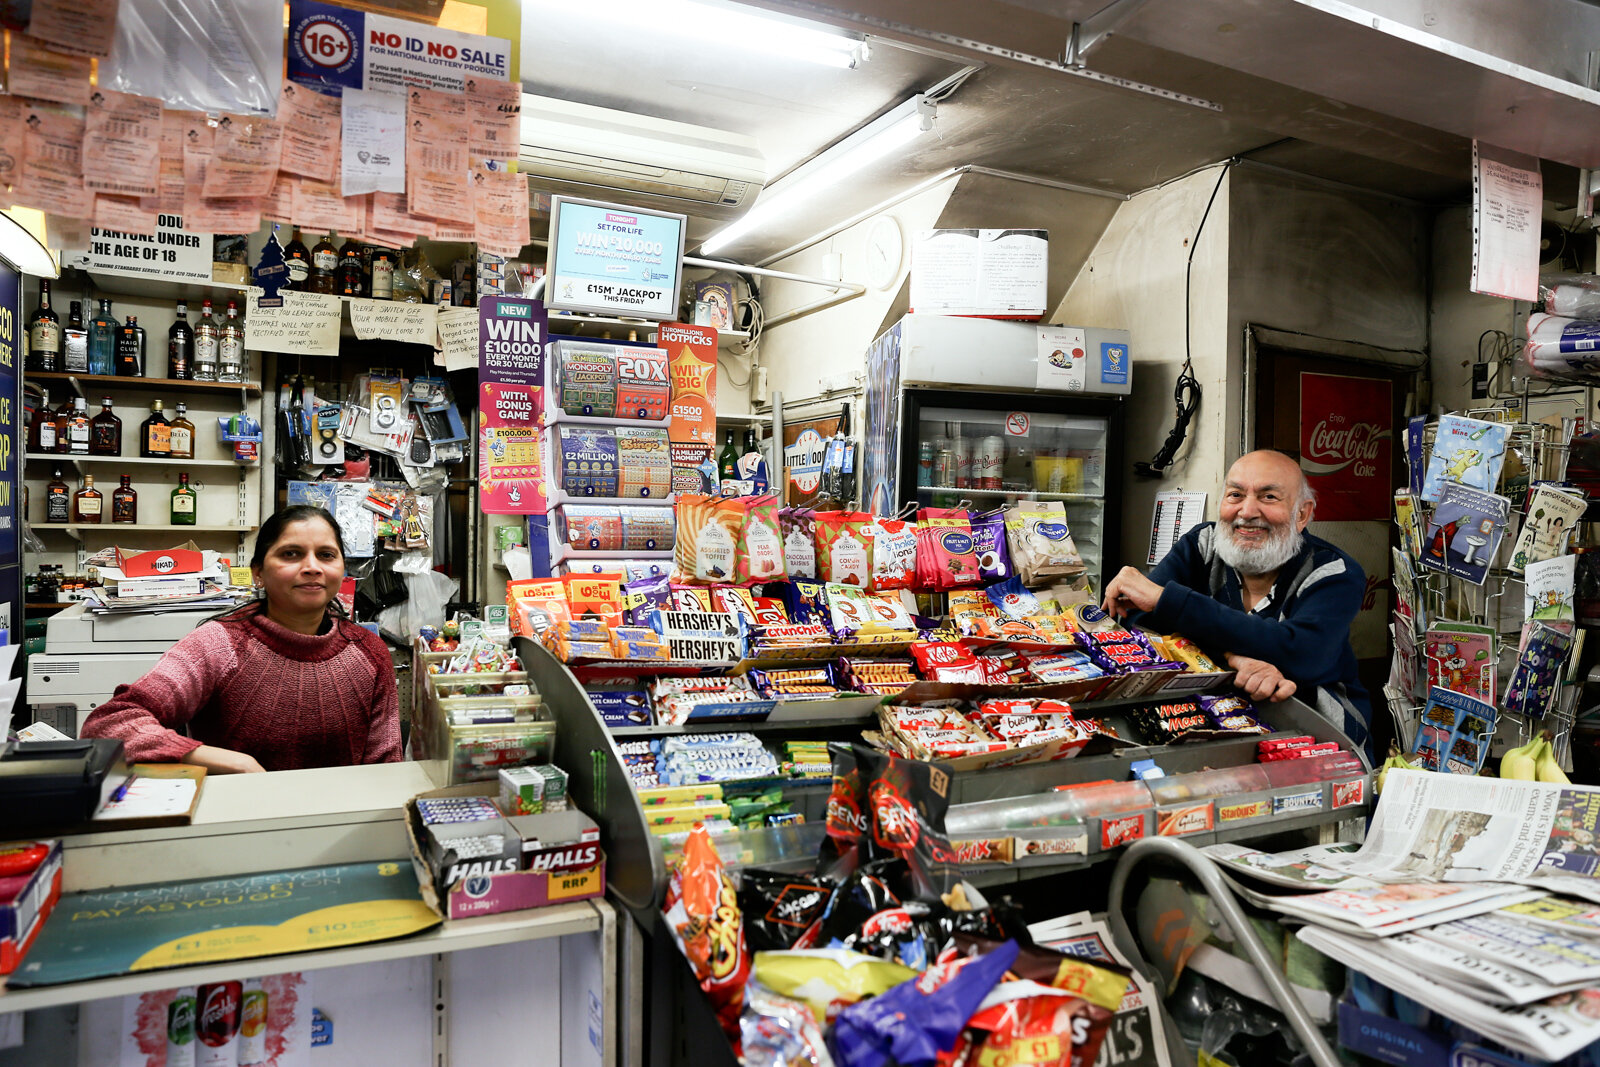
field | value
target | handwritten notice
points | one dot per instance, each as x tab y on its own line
1507	191
458	337
306	325
390	320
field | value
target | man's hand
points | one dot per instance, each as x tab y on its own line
223	761
1130	591
1260	679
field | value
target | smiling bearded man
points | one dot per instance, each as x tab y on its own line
1258	590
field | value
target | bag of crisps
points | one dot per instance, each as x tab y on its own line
945	556
702	911
894	555
762	559
844	547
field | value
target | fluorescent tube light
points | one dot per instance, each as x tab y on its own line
879	138
731	25
23	243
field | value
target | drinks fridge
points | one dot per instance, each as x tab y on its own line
956	412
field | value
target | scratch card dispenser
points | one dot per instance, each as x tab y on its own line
588	461
586	376
643	389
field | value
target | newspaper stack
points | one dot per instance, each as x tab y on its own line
1136	1034
1453	901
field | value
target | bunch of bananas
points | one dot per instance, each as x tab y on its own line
1533	762
1395	762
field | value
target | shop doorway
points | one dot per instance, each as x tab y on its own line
1342	419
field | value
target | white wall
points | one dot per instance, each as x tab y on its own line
1134	280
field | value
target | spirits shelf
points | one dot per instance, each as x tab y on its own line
58	457
109	381
160	287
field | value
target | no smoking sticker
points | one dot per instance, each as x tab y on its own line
1017	424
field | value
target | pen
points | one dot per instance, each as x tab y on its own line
121	790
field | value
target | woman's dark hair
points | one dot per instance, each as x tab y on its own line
272	529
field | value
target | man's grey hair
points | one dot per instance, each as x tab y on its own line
1306	495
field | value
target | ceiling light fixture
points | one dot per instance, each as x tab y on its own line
740	27
24	243
886	134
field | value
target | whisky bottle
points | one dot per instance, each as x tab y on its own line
351	280
183	502
130	348
77	436
155	435
56	500
298	259
44	334
42	427
180	346
124	503
182	435
324	265
105	431
88	503
75	342
63	415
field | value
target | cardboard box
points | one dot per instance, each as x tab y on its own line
559	860
26	901
184	559
1389	1040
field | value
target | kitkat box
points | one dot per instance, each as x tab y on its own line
27	896
553	858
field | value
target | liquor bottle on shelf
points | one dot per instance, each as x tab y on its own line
103	340
77	436
42	427
57	499
182	435
155	435
75	342
124	502
105	431
728	459
63	415
324	265
298	259
383	267
180	346
44	334
230	347
130	348
350	281
183	502
88	505
205	345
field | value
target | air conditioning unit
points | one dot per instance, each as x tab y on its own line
603	154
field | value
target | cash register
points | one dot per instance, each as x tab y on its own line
86	656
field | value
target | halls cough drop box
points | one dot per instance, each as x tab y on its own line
548	859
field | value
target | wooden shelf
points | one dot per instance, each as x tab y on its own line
139	526
52	606
117	381
57	457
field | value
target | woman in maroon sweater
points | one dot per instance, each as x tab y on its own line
282	683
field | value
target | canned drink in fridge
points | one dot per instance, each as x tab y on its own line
180	1029
216	1025
988	459
944	468
253	1023
962	446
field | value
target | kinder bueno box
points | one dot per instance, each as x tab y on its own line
505	864
692	364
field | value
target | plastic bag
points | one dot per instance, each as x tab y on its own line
1562	347
199	55
1575	296
779	1032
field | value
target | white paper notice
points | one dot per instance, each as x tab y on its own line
1507	194
390	320
980	272
1175	515
373	159
458	337
306	325
1063	359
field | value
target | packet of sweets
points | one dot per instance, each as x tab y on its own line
1012	600
848	610
945	558
537	604
734	600
967	607
799	527
920	1018
806	602
642	596
762	558
886	614
702	911
1041	543
894	555
989	542
706	549
595	596
844	548
691	598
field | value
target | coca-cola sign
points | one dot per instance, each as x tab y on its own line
1346	437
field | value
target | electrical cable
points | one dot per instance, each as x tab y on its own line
1186	393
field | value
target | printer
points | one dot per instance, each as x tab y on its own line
86	656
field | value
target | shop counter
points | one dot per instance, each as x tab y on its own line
548	971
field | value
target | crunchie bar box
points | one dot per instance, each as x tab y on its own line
544	859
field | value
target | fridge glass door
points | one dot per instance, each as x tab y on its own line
992	458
